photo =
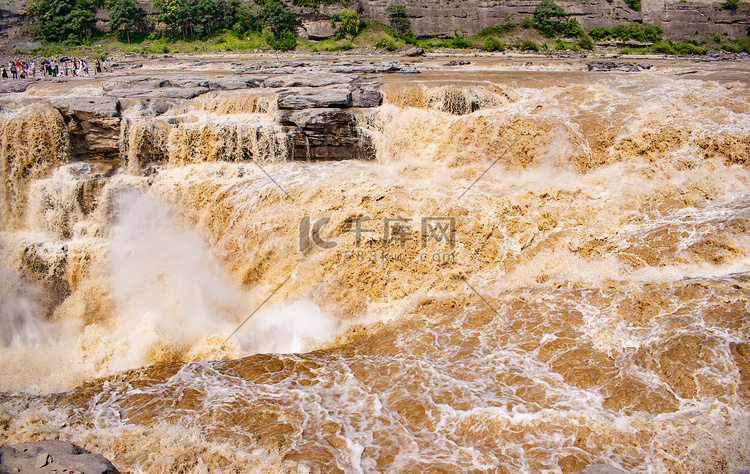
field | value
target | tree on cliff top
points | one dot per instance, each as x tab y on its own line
125	15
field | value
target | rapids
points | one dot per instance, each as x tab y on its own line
531	276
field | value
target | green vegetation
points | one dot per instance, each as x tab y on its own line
586	42
642	32
670	47
410	37
527	45
549	18
500	29
200	18
737	45
490	44
125	16
227	25
66	21
634	4
349	22
384	40
731	4
398	18
313	3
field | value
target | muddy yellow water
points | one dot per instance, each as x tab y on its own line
528	278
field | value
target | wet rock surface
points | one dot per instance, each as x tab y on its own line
326	134
52	456
410	50
616	66
339	67
308	80
318	102
339	97
187	88
93	124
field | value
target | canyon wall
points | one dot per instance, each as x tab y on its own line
679	19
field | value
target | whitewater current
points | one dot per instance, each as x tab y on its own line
525	279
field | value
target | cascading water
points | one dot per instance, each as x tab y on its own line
592	306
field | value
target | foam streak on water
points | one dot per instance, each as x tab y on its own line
594	308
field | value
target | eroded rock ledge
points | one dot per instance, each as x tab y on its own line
319	109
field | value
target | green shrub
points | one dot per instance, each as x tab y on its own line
384	40
490	43
527	22
284	41
500	29
398	18
737	45
410	37
686	47
572	29
730	4
528	45
664	47
560	45
586	42
238	30
717	39
670	47
599	33
549	18
638	32
459	42
311	3
267	35
350	22
634	4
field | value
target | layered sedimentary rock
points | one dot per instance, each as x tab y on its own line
318	113
679	19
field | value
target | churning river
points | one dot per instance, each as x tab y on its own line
541	269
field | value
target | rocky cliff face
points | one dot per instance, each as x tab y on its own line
678	19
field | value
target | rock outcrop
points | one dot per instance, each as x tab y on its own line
600	66
319	108
326	134
93	125
323	124
52	456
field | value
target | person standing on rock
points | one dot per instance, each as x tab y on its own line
13	70
5	73
85	66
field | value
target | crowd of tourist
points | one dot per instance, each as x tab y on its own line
51	67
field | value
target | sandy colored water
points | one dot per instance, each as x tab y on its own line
593	307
